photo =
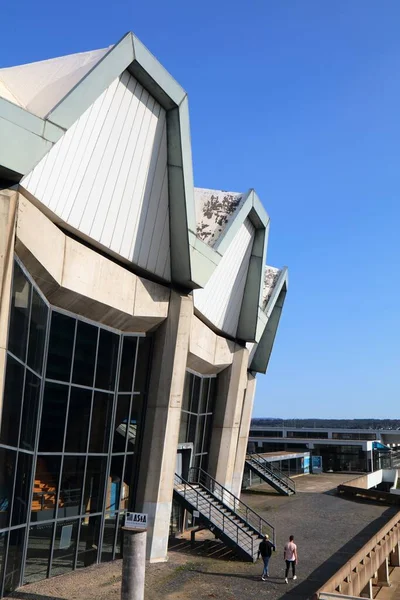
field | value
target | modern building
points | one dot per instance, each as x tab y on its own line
340	449
135	310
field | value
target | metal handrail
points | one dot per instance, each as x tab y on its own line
260	525
274	471
225	523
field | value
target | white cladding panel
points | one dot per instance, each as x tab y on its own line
221	299
107	176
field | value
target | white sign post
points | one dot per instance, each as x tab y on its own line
136	520
134	556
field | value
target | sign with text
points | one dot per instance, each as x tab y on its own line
136	520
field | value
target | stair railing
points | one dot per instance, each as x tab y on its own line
247	514
215	515
272	470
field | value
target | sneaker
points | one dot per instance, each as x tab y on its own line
286	580
294	577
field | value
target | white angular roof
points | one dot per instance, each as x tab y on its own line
39	86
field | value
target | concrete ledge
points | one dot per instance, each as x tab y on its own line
355	575
77	278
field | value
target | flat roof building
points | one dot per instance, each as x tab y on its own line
135	310
341	449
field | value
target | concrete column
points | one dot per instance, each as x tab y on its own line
8	216
383	574
230	393
244	428
367	591
395	556
133	564
162	421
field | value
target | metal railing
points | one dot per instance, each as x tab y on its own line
272	471
242	510
216	517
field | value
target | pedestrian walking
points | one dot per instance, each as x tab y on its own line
265	551
290	557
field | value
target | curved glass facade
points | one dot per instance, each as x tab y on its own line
72	415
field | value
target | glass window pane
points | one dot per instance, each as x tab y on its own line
14	559
191	431
194	405
85	354
101	422
114	483
135	422
204	396
30	411
128	481
198	447
3	546
183	427
19	316
207	434
121	422
64	547
120	536
78	420
107	360
71	486
12	402
53	417
37	332
94	484
59	356
211	395
88	541
22	488
142	365
38	554
187	392
7	471
45	488
108	537
127	363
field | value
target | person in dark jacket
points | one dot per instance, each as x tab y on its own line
265	550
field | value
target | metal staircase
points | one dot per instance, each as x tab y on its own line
230	519
270	474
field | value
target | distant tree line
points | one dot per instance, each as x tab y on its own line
333	423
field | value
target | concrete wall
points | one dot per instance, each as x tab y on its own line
8	214
76	278
372	479
161	430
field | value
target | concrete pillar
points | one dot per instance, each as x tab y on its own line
367	591
383	574
133	564
162	421
244	428
395	556
230	392
8	216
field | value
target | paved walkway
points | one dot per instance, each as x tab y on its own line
327	528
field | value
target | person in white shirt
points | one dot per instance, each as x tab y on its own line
290	556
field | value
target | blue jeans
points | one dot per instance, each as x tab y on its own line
266	561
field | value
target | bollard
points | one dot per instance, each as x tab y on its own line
133	563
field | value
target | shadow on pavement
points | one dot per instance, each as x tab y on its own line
305	589
27	596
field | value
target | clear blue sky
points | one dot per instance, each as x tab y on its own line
300	100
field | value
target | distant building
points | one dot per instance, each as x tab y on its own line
340	449
135	310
